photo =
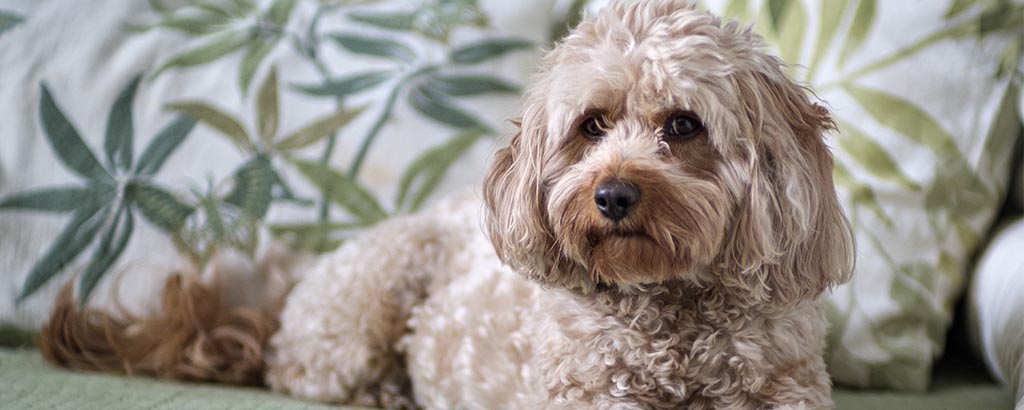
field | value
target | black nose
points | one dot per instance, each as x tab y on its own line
615	199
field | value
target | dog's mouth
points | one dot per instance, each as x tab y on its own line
596	238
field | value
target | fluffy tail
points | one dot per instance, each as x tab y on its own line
195	337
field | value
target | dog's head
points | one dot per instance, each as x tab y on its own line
657	144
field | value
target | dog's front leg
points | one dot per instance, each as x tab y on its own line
341	323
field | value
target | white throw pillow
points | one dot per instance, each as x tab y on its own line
996	306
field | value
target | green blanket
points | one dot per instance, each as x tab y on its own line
26	382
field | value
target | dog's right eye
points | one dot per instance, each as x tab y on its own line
593	128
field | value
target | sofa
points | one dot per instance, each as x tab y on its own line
211	137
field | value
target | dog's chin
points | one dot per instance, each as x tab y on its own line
630	258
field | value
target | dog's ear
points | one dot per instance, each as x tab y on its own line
514	199
789	238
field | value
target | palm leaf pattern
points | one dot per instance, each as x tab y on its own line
209	216
954	198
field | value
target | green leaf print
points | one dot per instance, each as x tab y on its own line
872	157
863	18
427	171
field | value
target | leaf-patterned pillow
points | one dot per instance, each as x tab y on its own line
923	95
269	121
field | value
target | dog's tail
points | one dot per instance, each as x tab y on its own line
195	337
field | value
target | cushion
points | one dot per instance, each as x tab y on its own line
29	382
923	96
145	138
996	306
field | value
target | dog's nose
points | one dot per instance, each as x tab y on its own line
615	198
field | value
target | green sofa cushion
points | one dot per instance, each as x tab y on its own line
27	382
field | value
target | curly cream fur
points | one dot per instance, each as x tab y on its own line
705	297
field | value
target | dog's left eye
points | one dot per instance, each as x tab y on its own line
593	128
682	126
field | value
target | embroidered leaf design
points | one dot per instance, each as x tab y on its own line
439	108
279	11
344	192
863	18
906	118
396	21
216	119
471	85
8	20
776	10
213	220
788	19
111	245
958	7
255	53
860	194
436	19
348	85
66	143
213	8
485	50
1011	57
220	45
956	195
1001	16
251	192
318	129
118	140
62	199
831	14
243	7
283	192
71	241
267	108
872	157
193	25
94	203
163	144
314	236
427	171
374	47
160	207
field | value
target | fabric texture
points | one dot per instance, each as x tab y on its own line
209	130
923	94
996	306
26	382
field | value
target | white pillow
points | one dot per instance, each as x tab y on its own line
996	306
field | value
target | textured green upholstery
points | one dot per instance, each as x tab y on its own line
27	382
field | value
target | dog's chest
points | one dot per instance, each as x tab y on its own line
661	350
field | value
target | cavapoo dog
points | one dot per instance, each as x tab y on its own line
655	236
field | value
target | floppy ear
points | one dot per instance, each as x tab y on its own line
790	238
516	215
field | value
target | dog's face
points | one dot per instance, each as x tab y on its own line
658	144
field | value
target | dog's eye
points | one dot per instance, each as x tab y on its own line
682	126
593	128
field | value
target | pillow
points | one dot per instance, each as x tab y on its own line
996	305
143	138
923	98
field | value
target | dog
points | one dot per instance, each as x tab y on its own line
662	224
656	235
